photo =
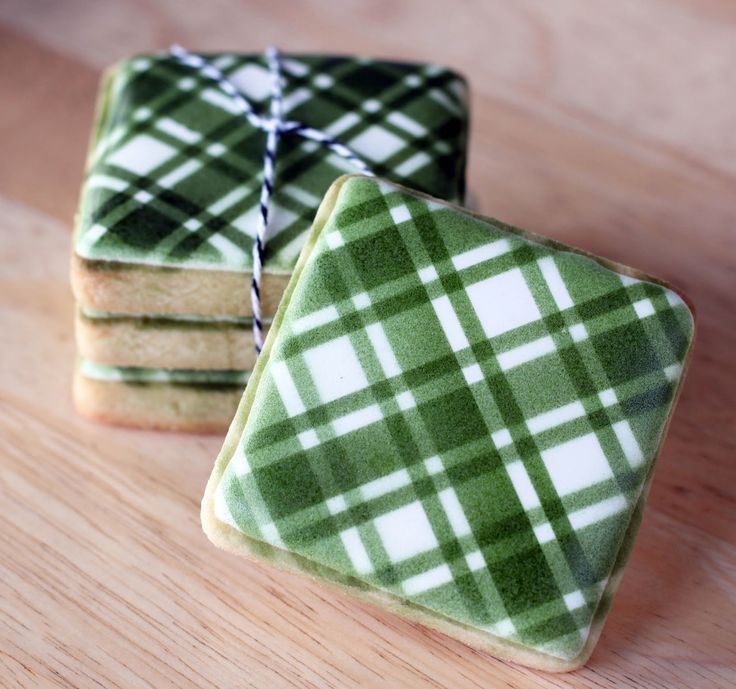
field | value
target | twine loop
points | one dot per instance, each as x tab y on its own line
275	126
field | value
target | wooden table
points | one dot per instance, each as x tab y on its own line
611	126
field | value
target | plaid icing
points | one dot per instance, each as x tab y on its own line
137	374
458	415
175	170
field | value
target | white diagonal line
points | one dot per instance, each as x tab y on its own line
356	551
454	511
298	69
555	417
239	463
523	485
220	100
178	130
450	323
271	535
525	353
287	390
555	283
442	99
357	419
340	163
480	254
230	199
88	239
222	509
299	194
411	165
597	512
628	442
179	174
425	581
224	61
398	119
231	251
295	99
316	319
382	347
107	181
341	124
109	142
385	484
290	251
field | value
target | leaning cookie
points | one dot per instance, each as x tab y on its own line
170	341
170	204
161	399
456	420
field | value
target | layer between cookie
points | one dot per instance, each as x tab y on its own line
160	399
119	287
165	341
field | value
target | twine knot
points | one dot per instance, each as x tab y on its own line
274	125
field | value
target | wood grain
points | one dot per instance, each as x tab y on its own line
611	126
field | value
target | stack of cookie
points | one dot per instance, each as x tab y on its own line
163	247
452	418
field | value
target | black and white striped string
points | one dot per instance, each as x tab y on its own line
275	126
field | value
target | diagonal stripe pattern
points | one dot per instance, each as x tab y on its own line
176	170
458	415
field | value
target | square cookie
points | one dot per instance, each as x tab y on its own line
169	207
455	419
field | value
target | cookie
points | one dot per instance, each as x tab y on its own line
169	207
161	399
455	419
170	341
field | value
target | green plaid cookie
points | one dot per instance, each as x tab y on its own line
175	169
458	415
